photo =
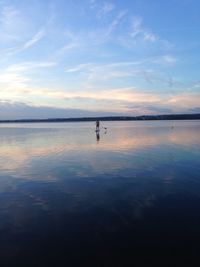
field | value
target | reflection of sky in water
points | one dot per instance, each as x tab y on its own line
50	172
74	151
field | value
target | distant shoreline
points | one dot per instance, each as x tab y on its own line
110	118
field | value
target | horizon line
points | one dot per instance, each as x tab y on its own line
175	116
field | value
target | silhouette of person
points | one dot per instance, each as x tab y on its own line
97	125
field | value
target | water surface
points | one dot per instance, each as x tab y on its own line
128	197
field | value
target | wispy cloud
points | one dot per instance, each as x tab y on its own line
8	21
79	67
11	82
118	64
166	59
136	26
170	59
119	94
88	39
92	4
105	9
36	38
145	70
22	67
125	99
148	36
184	100
26	45
73	40
93	73
98	48
116	21
15	79
139	32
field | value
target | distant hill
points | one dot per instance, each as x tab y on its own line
112	118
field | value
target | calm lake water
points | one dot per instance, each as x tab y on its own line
128	197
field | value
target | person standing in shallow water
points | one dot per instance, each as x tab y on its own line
97	125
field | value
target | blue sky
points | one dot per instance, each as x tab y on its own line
89	57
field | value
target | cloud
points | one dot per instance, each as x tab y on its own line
92	73
101	8
99	73
148	36
36	38
8	16
25	66
113	60
136	26
28	44
19	110
138	32
93	67
167	59
68	47
115	22
170	59
101	35
106	8
14	79
122	101
79	67
130	101
92	4
73	40
9	19
89	39
186	100
116	97
16	30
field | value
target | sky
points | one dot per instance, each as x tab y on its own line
74	58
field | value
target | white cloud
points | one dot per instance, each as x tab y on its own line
138	32
36	38
95	45
106	8
9	22
98	73
169	59
90	38
185	100
22	67
148	36
129	95
115	22
8	16
92	4
79	67
28	44
14	80
136	26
